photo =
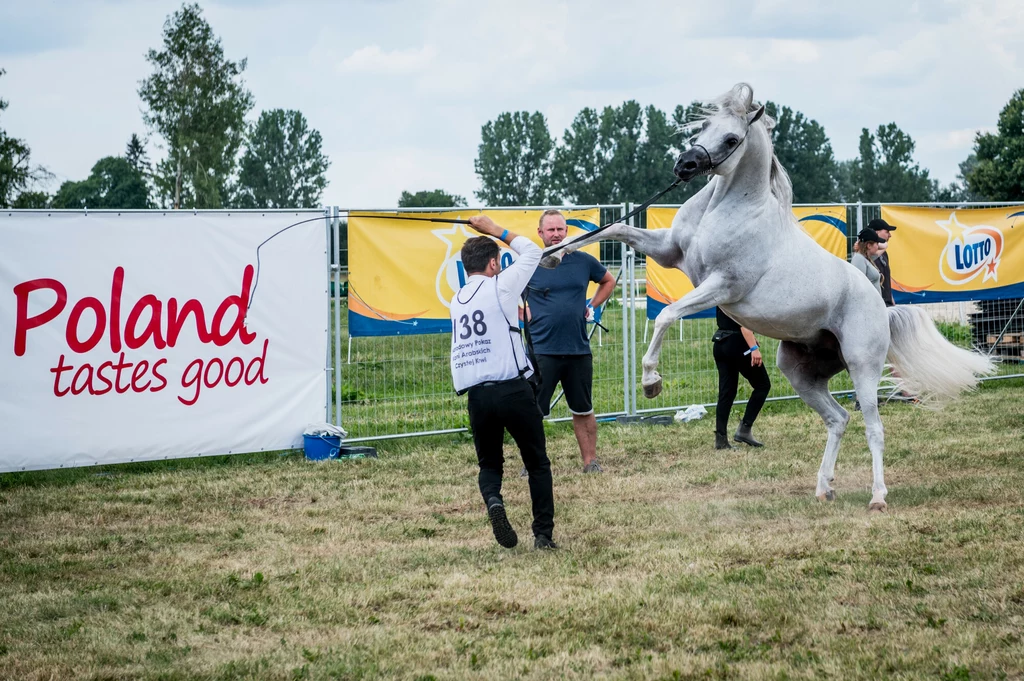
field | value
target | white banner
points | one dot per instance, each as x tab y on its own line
125	337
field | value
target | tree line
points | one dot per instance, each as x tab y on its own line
195	103
626	153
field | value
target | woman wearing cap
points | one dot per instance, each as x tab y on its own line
865	251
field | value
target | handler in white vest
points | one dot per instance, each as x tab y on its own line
490	363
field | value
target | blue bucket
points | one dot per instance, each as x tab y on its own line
321	447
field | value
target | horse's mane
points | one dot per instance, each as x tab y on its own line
739	101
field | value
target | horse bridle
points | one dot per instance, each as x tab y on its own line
714	164
643	206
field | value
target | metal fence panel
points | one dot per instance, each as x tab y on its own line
400	386
386	387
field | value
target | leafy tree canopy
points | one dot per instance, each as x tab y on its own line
997	173
113	183
437	198
283	165
196	101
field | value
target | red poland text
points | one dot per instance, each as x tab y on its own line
145	324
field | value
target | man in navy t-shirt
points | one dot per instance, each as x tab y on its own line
559	312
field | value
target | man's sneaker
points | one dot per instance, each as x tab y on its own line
593	467
503	531
524	473
544	543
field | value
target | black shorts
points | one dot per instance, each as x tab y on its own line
575	373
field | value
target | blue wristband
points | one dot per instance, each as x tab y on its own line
504	234
751	350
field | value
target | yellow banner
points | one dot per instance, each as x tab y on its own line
825	224
402	274
937	254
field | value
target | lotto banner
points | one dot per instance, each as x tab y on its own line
825	224
158	335
938	255
403	274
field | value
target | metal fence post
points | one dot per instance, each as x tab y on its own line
626	354
632	320
860	217
336	298
328	360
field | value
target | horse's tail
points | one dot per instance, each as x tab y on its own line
927	365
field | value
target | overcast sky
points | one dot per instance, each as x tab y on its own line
399	89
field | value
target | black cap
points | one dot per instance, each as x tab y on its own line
879	223
868	235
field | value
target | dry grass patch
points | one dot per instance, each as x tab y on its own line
680	562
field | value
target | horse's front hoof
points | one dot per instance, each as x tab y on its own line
550	262
830	495
877	507
653	390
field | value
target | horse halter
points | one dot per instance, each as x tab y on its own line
715	164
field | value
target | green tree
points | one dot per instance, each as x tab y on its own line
885	169
438	198
16	171
113	183
135	154
32	199
625	153
578	173
197	102
805	152
514	160
283	165
999	171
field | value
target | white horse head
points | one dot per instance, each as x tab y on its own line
725	139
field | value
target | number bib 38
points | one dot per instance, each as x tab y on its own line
485	346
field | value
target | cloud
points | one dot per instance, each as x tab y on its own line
373	60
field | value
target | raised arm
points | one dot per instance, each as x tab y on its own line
515	277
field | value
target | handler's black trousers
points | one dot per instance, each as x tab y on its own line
731	363
511	405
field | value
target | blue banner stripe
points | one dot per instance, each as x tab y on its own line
835	222
585	225
359	325
1001	293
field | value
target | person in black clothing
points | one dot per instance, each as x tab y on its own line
736	352
489	362
884	230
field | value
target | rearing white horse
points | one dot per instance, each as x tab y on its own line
742	249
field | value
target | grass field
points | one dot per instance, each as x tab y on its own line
680	562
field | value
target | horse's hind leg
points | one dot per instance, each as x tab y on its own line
809	374
866	374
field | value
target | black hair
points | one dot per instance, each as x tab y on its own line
477	252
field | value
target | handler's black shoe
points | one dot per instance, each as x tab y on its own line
503	531
544	543
722	442
744	435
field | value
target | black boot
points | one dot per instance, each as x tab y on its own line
743	434
503	531
722	442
